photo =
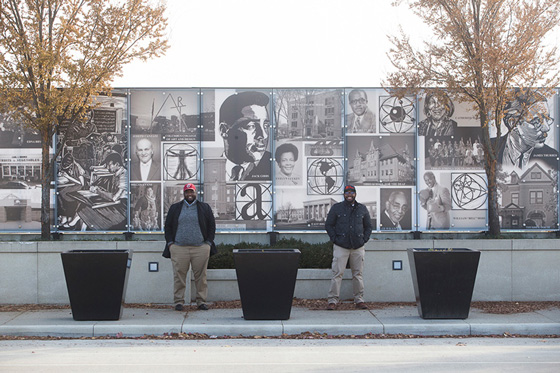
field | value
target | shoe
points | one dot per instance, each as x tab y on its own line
178	307
361	306
203	307
331	306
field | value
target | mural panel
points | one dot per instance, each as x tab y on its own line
309	162
92	176
452	187
238	162
528	159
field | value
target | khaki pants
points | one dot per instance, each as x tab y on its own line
182	257
340	259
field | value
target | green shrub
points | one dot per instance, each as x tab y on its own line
312	255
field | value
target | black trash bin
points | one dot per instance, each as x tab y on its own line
443	281
266	280
96	282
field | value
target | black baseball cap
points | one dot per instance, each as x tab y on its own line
349	188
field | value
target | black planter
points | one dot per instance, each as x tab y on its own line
96	282
266	280
443	281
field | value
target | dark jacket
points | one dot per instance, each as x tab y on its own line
206	222
349	226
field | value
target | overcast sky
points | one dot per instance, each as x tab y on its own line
273	43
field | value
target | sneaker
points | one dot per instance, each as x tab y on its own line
361	306
331	306
178	307
203	307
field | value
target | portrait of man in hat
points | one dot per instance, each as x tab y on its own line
245	129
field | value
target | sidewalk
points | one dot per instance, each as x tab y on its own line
230	322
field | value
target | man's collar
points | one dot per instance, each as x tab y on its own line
392	221
516	156
189	204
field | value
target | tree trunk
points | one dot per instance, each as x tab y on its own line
490	166
493	210
46	178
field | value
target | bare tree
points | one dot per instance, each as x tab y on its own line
480	50
56	55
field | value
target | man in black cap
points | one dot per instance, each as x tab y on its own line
349	227
245	127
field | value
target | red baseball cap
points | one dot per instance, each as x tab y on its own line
189	186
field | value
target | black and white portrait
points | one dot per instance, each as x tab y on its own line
395	209
145	164
435	201
438	109
145	206
288	164
360	118
529	132
245	129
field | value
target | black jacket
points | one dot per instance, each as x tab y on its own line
206	222
349	226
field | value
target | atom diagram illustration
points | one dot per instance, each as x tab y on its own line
396	115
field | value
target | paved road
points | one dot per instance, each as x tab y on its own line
239	355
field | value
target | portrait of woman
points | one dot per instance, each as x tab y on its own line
438	109
286	156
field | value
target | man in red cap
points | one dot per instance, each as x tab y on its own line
349	227
190	229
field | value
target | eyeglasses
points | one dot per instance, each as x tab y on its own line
402	208
349	192
540	121
360	101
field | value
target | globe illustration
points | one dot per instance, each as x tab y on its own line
324	176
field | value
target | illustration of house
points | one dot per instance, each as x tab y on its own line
530	200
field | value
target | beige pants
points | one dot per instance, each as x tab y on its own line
182	257
340	259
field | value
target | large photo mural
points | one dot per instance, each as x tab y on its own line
278	159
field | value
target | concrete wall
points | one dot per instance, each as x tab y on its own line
509	270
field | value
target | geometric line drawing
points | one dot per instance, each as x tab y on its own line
469	191
180	162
